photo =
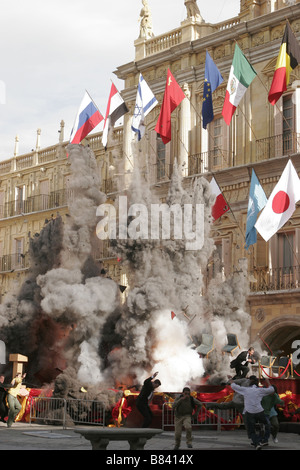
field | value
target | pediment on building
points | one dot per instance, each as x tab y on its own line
269	69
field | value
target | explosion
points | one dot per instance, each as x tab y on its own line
69	320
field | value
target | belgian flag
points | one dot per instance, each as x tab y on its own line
288	59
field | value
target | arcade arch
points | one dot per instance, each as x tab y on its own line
279	335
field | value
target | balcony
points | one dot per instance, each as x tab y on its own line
14	262
216	159
274	279
36	203
277	146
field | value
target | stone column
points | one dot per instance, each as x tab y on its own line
61	132
127	147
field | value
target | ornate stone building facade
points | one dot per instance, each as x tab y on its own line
34	187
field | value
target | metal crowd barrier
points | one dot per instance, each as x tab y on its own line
59	410
215	418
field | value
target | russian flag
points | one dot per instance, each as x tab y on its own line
88	117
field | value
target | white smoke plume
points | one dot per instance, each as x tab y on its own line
66	294
163	277
57	316
107	343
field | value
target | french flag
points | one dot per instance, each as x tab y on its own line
88	117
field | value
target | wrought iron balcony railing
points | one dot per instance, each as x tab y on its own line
277	145
272	279
13	262
216	159
36	203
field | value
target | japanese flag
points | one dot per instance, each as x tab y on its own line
281	203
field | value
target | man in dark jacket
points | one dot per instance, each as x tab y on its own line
3	393
145	396
184	405
240	363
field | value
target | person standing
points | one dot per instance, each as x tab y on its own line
254	411
144	398
269	405
3	394
240	363
184	406
14	406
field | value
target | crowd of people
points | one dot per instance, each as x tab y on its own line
256	403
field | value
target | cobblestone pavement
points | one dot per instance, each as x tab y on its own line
22	436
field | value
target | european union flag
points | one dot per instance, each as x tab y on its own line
213	79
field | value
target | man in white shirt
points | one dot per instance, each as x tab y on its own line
254	410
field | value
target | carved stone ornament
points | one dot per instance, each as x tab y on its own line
260	315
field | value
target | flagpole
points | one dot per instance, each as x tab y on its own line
258	76
252	246
279	110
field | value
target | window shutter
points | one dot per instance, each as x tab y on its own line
278	129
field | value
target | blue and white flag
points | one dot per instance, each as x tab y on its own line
257	201
145	102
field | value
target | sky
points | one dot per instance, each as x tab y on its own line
53	50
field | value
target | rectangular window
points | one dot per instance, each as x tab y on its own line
288	125
286	251
44	195
18	256
284	273
19	199
218	151
161	158
217	143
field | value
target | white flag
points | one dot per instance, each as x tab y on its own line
145	102
281	203
116	108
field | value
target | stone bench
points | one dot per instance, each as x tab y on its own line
101	437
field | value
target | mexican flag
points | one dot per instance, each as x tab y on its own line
241	75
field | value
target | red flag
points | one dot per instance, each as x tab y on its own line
172	98
220	206
173	315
